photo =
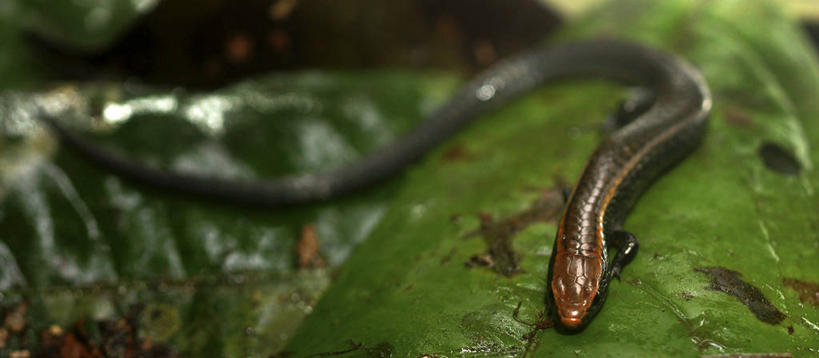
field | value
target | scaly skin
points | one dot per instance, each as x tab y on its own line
621	168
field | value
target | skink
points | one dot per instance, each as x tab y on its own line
617	173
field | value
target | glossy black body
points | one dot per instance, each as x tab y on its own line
620	169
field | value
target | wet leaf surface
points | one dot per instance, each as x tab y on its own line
74	235
80	245
730	282
720	207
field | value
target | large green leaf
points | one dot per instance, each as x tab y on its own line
80	245
212	280
79	242
406	291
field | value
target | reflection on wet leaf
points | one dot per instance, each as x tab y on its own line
75	234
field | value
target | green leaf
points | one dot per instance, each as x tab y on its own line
407	289
203	278
82	25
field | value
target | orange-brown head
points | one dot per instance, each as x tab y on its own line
575	285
